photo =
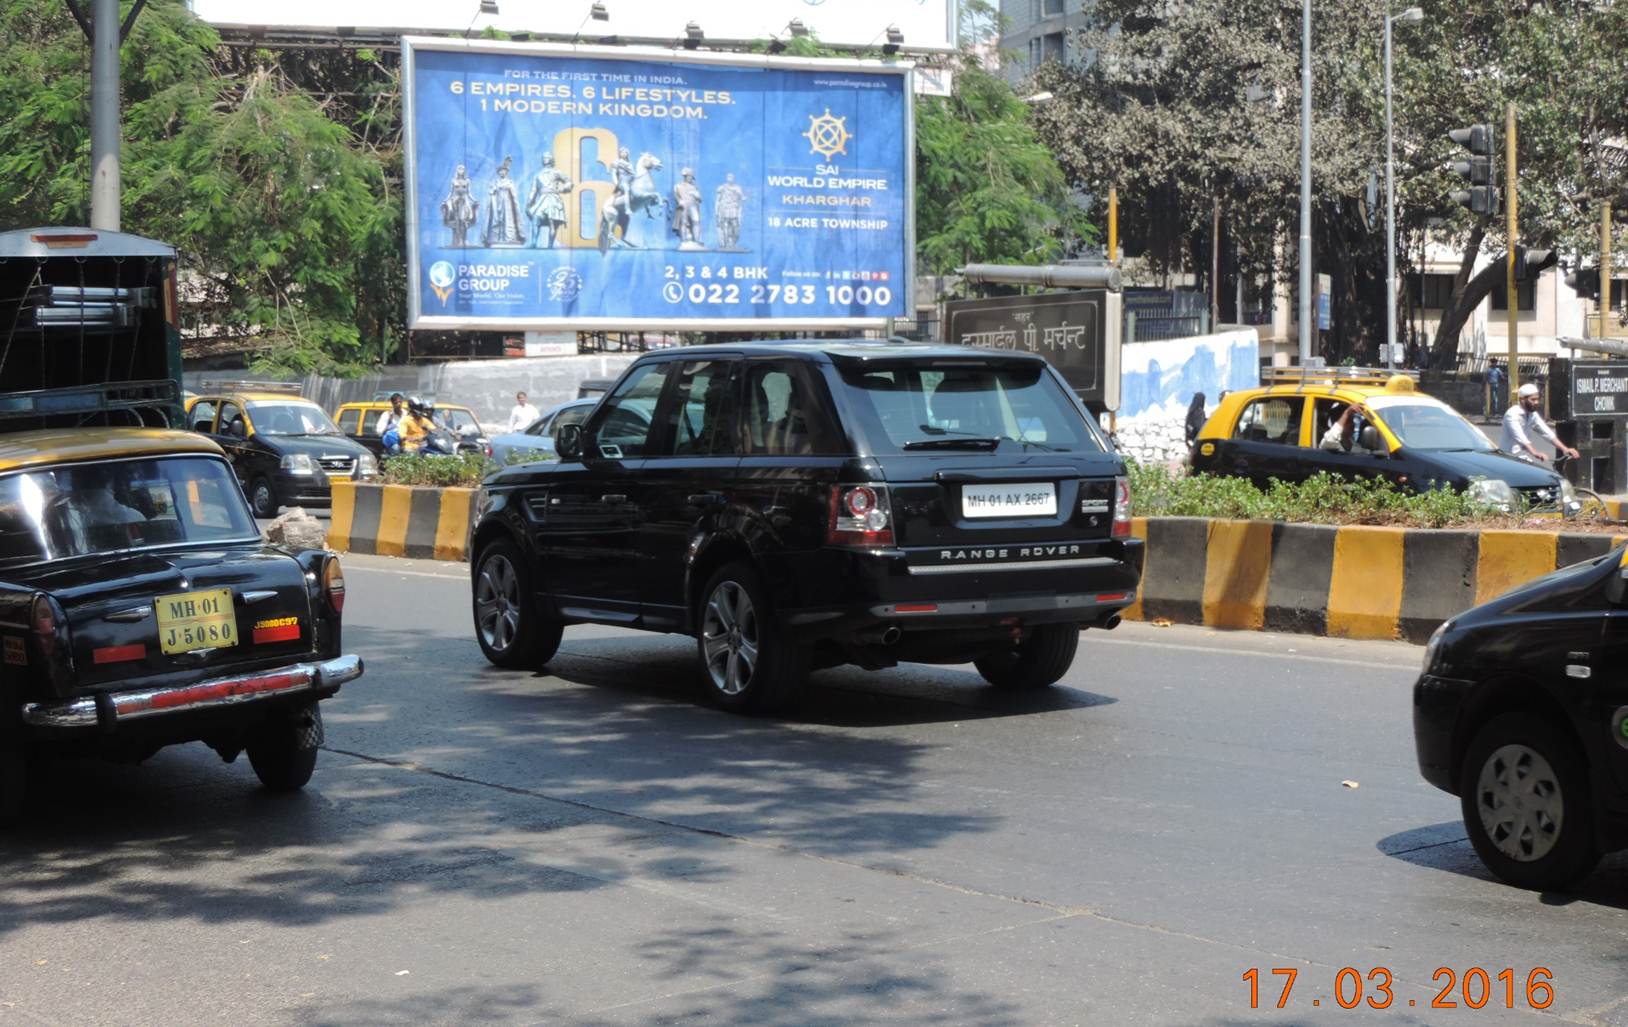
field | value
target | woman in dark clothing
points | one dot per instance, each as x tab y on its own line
1195	418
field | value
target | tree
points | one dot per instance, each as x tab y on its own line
288	221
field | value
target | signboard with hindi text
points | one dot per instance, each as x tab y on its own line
1077	332
618	188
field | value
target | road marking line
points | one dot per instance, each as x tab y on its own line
1412	660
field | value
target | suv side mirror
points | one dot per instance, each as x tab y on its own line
568	441
1369	439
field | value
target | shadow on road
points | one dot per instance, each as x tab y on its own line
1445	847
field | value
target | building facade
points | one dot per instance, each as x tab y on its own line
1036	31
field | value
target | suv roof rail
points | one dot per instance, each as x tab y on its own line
1332	375
241	385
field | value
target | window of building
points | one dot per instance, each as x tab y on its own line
1034	52
1526	296
1052	47
1051	7
1436	292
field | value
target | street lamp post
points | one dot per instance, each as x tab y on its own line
1305	183
1411	16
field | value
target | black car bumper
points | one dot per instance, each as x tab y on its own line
1437	705
109	711
845	595
303	489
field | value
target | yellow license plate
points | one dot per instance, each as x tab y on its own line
189	621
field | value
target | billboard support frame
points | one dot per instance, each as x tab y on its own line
418	321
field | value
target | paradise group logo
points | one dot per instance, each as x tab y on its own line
441	279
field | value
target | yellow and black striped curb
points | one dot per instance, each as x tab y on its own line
1349	582
401	520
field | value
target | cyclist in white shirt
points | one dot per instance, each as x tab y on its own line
523	414
1522	421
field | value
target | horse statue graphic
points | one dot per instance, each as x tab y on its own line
636	191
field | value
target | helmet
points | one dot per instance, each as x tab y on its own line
418	406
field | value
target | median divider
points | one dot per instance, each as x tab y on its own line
1349	581
401	520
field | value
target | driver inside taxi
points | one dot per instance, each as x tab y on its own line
1341	431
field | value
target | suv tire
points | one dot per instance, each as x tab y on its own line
1527	808
282	753
747	662
1039	661
509	626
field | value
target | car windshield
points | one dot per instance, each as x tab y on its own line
1428	426
289	417
457	420
88	509
960	405
575	414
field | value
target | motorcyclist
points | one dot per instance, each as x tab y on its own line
417	426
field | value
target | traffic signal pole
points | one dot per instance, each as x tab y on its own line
1514	305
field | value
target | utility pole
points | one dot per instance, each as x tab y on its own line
1113	224
1605	269
104	116
1305	182
1509	257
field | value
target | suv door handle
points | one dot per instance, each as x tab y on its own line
706	499
613	498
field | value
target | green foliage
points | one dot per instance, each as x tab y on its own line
1322	499
464	470
283	205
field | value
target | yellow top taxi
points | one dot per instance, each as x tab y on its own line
1366	424
285	449
365	422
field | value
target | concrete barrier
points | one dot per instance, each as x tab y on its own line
401	520
1353	581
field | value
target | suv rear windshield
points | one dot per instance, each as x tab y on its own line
88	509
955	405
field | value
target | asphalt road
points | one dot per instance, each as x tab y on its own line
589	845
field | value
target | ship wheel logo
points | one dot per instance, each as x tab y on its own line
827	135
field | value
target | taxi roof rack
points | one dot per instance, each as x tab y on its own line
1303	376
243	385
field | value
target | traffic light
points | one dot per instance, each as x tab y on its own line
1482	196
1585	281
1530	263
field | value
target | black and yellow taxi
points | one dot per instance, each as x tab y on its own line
1522	712
1393	432
285	449
360	421
140	608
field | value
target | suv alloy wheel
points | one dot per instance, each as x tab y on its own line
510	629
746	660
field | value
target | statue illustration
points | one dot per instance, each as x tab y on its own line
635	191
687	211
458	209
503	226
546	204
728	202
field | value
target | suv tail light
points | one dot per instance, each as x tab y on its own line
333	583
1122	508
861	515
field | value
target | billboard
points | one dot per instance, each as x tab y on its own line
600	187
926	25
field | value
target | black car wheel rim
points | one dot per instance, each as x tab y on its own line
729	638
262	499
1520	802
497	603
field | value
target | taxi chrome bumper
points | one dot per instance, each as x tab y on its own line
215	693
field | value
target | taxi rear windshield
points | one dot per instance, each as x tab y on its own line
92	509
972	406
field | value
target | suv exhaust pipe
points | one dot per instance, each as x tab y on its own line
889	635
1109	622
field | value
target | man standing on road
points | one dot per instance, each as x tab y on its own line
1522	421
523	414
1497	383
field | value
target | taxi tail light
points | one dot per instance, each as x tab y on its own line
333	584
861	515
46	623
1122	508
49	626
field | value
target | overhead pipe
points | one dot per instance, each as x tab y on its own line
1613	346
1067	276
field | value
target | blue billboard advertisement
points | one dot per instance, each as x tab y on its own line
593	187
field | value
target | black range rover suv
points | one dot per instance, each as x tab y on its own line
794	505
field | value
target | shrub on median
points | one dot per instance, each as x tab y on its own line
464	470
1322	499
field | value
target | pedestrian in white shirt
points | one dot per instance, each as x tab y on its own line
1522	421
391	417
523	414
